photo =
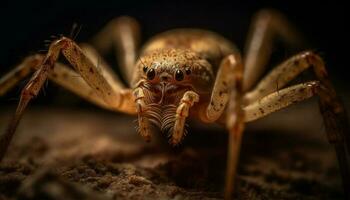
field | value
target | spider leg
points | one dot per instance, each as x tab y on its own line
124	34
332	110
103	67
6	83
331	106
266	26
116	100
63	76
29	91
110	76
281	99
287	71
92	75
72	81
19	73
229	70
228	91
235	125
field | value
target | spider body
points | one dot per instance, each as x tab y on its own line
187	73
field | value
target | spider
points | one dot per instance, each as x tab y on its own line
185	73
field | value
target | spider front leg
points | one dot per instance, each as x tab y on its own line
105	70
116	100
332	110
61	75
29	91
290	69
264	100
228	89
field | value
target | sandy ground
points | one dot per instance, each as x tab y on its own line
62	153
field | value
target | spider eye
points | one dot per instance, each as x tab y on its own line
151	74
145	69
188	71
179	75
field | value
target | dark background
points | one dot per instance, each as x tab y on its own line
25	25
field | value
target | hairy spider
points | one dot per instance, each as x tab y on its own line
187	73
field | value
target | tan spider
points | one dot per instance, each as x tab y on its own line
187	73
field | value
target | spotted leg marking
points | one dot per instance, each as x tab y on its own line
229	69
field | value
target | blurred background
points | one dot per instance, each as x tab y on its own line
25	26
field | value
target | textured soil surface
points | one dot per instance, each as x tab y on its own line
81	154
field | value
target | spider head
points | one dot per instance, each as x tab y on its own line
174	67
165	76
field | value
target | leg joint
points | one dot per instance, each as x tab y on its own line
63	42
311	58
